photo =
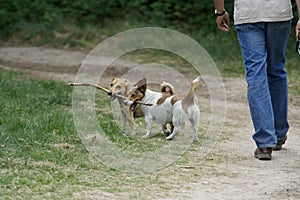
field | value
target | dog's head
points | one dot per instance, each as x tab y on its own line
167	88
118	87
137	93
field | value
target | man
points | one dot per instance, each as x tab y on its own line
263	29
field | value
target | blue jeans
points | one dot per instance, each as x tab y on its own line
263	47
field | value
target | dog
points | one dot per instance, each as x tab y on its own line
120	86
186	109
159	112
167	109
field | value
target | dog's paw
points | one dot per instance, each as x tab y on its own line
195	140
167	133
146	136
133	133
170	137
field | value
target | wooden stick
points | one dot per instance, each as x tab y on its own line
96	86
105	90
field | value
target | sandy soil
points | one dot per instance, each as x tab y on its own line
233	173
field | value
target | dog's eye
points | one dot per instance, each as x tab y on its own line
133	95
111	85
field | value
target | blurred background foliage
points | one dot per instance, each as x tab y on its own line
16	15
36	20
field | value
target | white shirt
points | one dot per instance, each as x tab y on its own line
251	11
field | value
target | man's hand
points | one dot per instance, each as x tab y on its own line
223	21
298	30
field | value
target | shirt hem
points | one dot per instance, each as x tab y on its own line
249	21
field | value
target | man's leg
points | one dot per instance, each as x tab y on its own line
252	40
277	38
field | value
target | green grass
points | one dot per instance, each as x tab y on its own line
35	117
41	154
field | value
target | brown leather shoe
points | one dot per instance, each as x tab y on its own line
263	153
279	144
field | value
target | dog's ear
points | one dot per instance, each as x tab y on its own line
142	84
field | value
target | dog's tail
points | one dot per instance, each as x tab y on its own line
190	98
195	83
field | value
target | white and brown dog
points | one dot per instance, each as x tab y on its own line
167	109
120	86
186	109
160	111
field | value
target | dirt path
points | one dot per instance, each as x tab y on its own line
229	172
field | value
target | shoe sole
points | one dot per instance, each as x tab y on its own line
263	156
277	148
280	144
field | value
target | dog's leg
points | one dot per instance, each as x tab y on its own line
148	120
176	122
176	127
123	120
171	127
194	130
123	115
166	130
131	122
183	128
194	121
175	130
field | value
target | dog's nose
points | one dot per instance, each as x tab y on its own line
109	93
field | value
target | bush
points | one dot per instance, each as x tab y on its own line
47	15
17	14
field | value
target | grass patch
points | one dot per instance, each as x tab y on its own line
41	155
34	118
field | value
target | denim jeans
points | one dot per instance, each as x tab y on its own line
263	48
